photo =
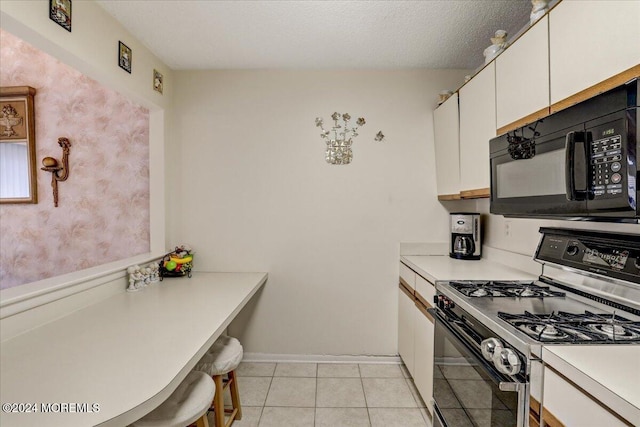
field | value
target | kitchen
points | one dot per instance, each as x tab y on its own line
330	235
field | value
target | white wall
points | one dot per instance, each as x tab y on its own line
523	236
257	195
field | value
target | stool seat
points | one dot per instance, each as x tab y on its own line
189	402
224	356
221	361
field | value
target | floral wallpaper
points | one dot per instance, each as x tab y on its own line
103	212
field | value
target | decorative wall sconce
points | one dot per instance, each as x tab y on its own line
338	151
58	173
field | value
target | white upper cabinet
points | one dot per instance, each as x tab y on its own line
446	133
522	77
591	41
477	127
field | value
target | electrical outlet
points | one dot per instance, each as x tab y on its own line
507	228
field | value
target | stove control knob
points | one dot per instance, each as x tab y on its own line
573	250
489	347
507	361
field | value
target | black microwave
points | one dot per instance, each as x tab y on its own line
579	163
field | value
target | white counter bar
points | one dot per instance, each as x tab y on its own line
434	268
126	353
610	373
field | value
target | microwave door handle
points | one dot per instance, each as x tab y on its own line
572	139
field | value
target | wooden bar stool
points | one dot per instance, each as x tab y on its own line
189	403
221	360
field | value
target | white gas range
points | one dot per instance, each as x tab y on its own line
490	335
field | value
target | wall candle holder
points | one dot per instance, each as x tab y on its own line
58	173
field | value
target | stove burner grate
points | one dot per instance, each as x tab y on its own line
496	288
575	328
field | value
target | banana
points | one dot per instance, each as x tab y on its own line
184	260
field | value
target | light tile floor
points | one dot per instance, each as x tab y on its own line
328	395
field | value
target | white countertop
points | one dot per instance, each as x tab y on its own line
434	268
127	353
610	373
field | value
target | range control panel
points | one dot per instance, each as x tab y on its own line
609	254
606	166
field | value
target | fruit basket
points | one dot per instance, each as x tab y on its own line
177	263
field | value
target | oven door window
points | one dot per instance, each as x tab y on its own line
465	394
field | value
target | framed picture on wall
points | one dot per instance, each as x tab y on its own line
158	81
124	57
60	13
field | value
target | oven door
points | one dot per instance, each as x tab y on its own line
467	390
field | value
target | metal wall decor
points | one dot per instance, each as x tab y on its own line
60	13
520	146
338	150
58	173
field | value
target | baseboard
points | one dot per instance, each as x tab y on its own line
319	358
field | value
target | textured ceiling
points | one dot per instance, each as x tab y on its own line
209	34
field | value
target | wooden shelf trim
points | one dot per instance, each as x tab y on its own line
423	310
540	114
448	197
597	89
479	193
406	289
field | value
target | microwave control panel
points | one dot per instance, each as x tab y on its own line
606	166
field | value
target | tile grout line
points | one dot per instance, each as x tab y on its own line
315	409
366	404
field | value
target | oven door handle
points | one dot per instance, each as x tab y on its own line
511	386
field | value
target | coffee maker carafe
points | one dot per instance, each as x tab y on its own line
464	236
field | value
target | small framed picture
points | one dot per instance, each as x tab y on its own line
124	57
158	81
60	13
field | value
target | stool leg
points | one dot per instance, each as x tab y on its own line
218	401
202	421
235	397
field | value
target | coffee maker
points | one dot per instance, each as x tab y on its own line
464	236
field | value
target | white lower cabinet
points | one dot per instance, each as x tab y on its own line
423	333
415	331
564	404
406	308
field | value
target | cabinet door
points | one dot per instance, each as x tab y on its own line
423	376
407	276
565	403
446	133
522	79
591	41
406	307
477	127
